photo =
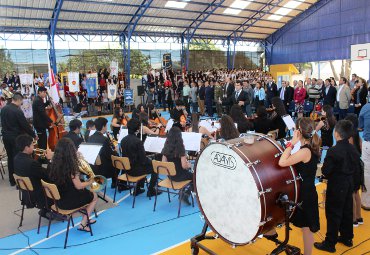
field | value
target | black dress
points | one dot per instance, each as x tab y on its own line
72	198
327	134
181	173
308	214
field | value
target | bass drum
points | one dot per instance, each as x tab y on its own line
237	186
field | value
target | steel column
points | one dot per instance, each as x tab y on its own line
51	34
228	54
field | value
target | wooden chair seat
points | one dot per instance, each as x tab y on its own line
67	212
166	183
130	178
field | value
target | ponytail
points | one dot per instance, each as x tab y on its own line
315	143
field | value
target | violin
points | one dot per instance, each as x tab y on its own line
124	120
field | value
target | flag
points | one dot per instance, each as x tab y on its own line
54	93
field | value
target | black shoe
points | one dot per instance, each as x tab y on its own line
139	191
346	242
323	246
152	193
185	199
12	184
271	237
122	187
360	221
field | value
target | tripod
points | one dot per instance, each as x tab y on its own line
284	201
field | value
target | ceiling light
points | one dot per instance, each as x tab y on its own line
176	4
293	4
282	11
239	4
275	17
232	11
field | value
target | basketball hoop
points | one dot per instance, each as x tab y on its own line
360	57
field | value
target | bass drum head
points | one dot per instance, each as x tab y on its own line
227	194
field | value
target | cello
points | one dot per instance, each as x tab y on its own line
56	131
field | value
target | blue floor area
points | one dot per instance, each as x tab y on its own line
121	229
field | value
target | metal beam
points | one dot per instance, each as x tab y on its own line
256	17
51	34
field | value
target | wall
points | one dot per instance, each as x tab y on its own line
326	34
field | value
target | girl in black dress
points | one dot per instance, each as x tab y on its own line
326	125
305	162
277	117
64	172
116	121
262	124
236	113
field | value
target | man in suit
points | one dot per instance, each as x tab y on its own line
14	123
343	97
228	90
201	97
239	96
250	93
271	91
26	166
329	93
106	168
74	132
286	94
41	120
209	95
133	148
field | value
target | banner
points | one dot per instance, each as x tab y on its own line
74	81
26	78
26	107
167	61
93	75
129	96
112	91
91	88
114	68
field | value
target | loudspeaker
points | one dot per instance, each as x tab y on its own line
140	91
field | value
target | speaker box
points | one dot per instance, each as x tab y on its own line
140	91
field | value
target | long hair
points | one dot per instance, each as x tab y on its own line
228	129
279	106
64	164
236	113
355	134
307	128
195	122
174	145
329	115
116	113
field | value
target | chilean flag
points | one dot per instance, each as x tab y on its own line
54	91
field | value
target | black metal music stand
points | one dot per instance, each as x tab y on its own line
196	245
284	201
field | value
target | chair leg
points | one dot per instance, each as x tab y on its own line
65	240
105	191
20	223
133	202
115	192
192	199
47	234
181	193
147	187
168	194
96	215
88	222
38	226
155	199
73	223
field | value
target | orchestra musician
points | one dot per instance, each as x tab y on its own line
326	124
262	124
41	120
147	128
179	114
133	148
26	166
66	175
75	132
116	121
277	116
228	130
136	111
106	168
90	125
14	123
197	129
236	113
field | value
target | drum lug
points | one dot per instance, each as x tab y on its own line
260	193
238	144
233	246
278	154
264	222
253	163
296	179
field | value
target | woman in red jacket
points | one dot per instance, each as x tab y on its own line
299	96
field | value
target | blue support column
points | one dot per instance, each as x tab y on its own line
182	55
228	54
51	34
234	42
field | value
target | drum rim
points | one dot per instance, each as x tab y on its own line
201	208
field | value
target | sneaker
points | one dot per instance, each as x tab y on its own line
323	246
355	223
152	193
360	221
346	242
185	199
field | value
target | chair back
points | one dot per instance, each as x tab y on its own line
23	183
165	168
50	190
273	133
121	163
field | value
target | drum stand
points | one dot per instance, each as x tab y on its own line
284	246
196	245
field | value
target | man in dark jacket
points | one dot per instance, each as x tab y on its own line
239	96
209	96
133	148
271	91
201	95
14	123
329	93
41	120
286	94
74	132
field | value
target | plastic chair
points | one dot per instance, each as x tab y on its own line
24	184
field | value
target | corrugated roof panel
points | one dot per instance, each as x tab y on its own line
254	36
94	17
261	30
211	32
226	19
163	29
164	22
206	25
173	14
271	24
190	6
87	26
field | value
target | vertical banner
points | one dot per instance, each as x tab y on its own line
114	68
112	91
91	88
26	84
129	96
167	61
74	81
94	76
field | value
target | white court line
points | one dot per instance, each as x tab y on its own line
62	231
175	245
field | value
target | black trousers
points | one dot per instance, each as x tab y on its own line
9	144
339	211
148	169
43	138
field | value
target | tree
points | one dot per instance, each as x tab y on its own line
6	63
203	46
93	60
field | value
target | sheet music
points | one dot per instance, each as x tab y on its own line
208	125
169	125
289	122
89	151
191	141
154	144
122	134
